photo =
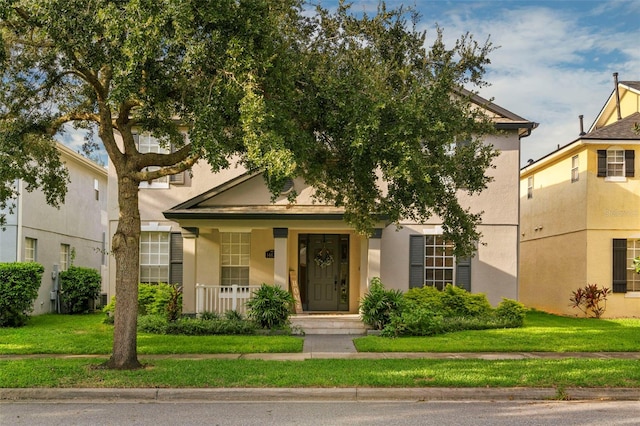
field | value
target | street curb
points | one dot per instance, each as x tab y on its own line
107	395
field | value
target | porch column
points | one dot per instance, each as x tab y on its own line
373	255
280	266
189	264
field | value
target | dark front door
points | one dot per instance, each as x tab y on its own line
323	272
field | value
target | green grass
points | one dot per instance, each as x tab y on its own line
542	332
323	373
86	334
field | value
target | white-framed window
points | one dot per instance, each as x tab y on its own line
615	162
530	187
439	261
575	168
149	144
154	257
235	254
96	189
30	250
633	278
65	256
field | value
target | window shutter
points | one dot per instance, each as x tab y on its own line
619	265
629	162
176	256
463	273
602	163
416	261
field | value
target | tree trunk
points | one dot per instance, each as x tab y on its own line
126	249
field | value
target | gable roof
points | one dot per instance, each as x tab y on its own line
609	107
620	130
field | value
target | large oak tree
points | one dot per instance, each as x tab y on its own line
354	103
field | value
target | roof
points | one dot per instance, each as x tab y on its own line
620	130
631	84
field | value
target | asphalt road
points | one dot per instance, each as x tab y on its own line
521	413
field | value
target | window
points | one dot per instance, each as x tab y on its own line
432	263
235	255
30	249
154	257
616	164
96	189
65	253
146	144
530	187
575	172
633	279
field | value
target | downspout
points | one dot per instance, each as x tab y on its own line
19	237
615	80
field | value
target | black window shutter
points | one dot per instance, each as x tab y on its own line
416	261
463	273
176	256
629	162
619	265
602	163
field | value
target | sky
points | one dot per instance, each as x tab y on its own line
554	59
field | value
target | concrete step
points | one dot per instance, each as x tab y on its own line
329	323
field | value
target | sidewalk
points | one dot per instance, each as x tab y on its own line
331	347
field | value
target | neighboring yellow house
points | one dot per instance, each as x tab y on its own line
580	214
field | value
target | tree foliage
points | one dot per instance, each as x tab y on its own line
355	104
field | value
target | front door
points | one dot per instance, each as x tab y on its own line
326	259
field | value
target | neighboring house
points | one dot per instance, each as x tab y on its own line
580	214
222	229
56	238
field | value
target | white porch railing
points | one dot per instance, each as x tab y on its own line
219	299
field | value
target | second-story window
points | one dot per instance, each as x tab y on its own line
615	162
575	169
530	187
146	144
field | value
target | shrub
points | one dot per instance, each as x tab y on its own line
414	320
78	287
511	313
19	284
270	306
209	315
379	305
457	302
153	299
427	296
158	324
589	299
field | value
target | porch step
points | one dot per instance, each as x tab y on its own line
329	323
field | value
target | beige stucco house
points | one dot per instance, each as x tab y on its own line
55	238
208	231
580	214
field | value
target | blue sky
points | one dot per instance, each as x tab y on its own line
554	62
555	59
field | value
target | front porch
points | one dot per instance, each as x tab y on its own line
219	299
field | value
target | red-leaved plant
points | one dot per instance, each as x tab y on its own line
589	298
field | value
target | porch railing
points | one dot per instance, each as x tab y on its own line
219	299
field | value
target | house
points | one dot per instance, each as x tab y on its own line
220	235
580	214
56	238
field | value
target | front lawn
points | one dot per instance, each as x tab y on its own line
86	334
542	332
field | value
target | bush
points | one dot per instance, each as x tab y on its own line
414	320
78	287
457	302
158	324
379	305
153	299
270	306
589	299
511	313
427	296
19	284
